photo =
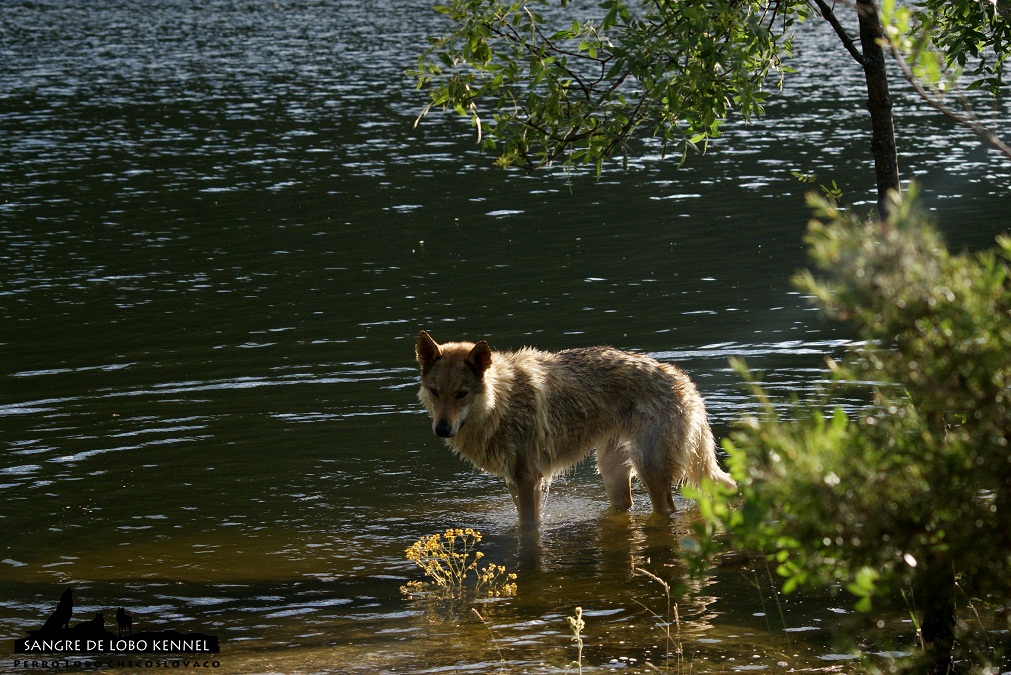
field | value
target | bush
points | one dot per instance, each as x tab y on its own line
913	496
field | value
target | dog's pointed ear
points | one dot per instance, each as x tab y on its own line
426	350
480	357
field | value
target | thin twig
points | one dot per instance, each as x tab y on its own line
501	658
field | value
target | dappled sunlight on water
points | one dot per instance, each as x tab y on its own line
587	565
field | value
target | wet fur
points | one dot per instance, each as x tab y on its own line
528	415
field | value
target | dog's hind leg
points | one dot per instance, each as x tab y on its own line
652	463
660	493
615	469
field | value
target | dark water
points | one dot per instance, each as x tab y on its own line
219	235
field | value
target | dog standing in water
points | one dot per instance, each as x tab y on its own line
529	415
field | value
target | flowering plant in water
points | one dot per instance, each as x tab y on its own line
448	559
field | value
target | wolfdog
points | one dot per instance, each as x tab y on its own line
528	415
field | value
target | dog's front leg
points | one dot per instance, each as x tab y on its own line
526	492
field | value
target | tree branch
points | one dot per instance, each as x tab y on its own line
847	41
969	120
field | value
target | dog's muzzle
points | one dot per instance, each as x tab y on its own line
443	430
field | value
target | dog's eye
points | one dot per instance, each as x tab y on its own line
461	393
434	393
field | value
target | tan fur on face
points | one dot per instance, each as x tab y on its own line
452	380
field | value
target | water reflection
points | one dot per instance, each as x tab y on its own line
219	235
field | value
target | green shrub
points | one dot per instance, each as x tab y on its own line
912	496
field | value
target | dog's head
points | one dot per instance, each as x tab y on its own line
452	379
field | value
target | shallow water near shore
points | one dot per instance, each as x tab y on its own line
220	234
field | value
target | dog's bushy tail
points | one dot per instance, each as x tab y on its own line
703	462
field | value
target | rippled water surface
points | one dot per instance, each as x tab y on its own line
219	235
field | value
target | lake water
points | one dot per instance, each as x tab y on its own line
219	236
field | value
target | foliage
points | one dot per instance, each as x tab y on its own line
581	89
558	80
834	192
448	559
969	36
916	489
